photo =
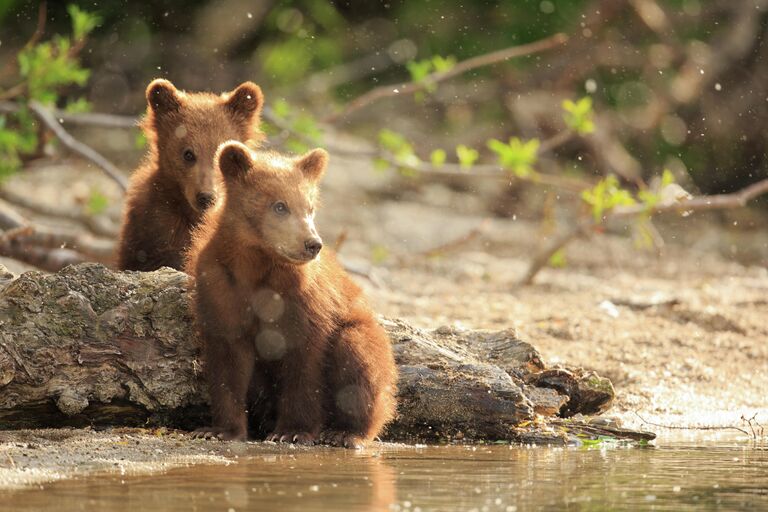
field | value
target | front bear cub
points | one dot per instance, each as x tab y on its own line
170	191
278	316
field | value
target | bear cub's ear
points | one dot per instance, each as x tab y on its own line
246	101
313	164
233	159
162	96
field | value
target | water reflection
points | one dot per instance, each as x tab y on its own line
435	478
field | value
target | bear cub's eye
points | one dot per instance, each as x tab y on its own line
189	156
280	208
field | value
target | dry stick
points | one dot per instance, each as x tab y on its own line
92	223
702	203
385	91
679	427
21	232
46	117
36	35
456	243
82	118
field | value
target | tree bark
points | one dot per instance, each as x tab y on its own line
89	346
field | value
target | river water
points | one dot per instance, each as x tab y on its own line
676	476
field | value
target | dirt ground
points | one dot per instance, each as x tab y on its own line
683	335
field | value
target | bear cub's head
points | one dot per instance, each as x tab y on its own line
270	200
185	129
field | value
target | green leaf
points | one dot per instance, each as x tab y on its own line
419	69
97	202
437	157
579	115
379	254
78	106
47	67
467	156
606	195
83	22
443	64
381	164
281	108
140	142
306	125
516	156
667	178
295	145
558	260
399	147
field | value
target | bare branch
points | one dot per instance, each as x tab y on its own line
678	427
456	243
46	117
97	225
702	203
24	234
36	35
488	59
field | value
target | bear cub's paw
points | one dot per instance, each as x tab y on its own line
342	439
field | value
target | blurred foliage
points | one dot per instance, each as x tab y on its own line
517	156
43	70
97	202
606	195
283	44
579	116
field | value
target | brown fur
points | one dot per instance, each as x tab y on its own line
276	321
167	194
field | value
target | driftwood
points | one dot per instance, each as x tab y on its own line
89	346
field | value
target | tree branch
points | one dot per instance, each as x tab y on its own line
36	35
46	117
702	203
99	226
488	59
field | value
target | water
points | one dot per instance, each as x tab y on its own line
496	478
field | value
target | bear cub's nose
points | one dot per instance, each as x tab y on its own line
204	200
313	246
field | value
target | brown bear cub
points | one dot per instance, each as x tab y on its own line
280	318
170	191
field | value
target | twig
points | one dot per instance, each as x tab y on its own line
349	71
27	233
702	203
46	117
488	59
81	118
456	243
96	225
679	427
36	35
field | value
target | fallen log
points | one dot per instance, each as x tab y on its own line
89	346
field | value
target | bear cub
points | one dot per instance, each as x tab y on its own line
278	316
177	182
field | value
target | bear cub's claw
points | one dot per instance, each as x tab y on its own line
303	438
221	434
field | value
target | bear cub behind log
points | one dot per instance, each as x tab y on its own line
177	182
278	316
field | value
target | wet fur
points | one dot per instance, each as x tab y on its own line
335	381
159	211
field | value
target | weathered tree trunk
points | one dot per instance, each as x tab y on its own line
89	346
